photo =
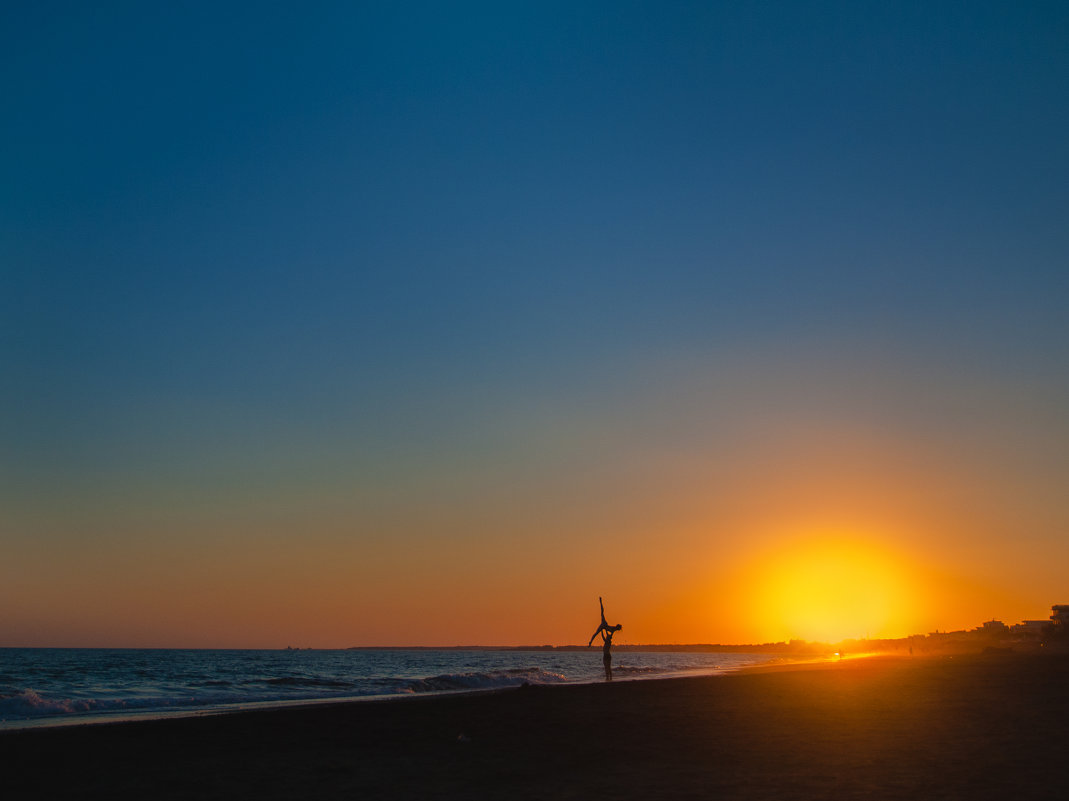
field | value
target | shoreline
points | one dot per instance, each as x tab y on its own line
984	726
124	716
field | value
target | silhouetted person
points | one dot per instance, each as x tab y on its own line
606	631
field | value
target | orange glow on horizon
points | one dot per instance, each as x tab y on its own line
829	588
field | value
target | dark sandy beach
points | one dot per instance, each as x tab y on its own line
989	726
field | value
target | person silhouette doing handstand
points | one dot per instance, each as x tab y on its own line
606	631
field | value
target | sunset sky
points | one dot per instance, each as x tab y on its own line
340	324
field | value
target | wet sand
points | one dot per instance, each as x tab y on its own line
994	726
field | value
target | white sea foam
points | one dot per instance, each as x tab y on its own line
31	704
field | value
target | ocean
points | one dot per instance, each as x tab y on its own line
62	686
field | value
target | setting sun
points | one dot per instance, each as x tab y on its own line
832	588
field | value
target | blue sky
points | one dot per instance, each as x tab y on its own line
251	247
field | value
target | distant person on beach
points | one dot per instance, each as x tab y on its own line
606	631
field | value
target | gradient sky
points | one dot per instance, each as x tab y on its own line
428	323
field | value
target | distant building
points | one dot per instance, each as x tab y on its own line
1060	614
1056	634
995	628
1029	629
949	636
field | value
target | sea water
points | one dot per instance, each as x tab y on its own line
58	686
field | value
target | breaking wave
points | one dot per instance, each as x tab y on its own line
30	704
495	679
635	670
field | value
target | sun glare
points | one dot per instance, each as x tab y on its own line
831	589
